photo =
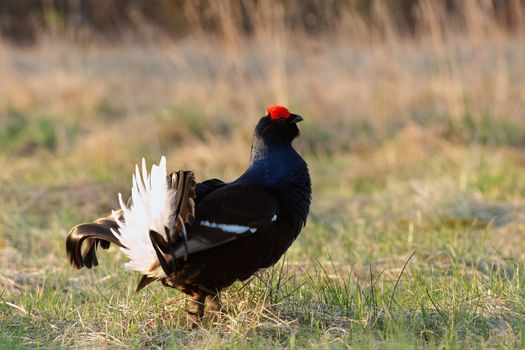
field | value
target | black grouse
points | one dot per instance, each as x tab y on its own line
200	238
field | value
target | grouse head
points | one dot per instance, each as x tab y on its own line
278	126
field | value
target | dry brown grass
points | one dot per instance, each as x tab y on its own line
414	144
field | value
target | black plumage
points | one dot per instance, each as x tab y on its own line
223	232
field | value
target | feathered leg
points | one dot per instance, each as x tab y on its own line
196	311
213	303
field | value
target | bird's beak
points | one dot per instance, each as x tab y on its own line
295	118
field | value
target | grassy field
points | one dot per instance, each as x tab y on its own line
416	150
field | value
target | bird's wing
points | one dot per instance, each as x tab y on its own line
229	212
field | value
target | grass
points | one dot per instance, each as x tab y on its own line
407	254
415	237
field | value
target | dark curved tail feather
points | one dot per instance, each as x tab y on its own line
144	281
184	183
184	205
83	239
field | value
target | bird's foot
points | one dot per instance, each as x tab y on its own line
214	305
196	311
193	320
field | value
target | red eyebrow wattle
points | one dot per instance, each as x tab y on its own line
278	112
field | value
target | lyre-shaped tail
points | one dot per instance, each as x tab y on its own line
147	229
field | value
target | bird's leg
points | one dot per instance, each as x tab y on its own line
196	311
213	302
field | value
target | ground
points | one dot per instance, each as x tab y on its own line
416	151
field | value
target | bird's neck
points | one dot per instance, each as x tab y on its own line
266	149
272	163
281	168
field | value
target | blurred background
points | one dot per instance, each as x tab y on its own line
414	124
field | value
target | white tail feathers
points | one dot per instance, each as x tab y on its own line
150	210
